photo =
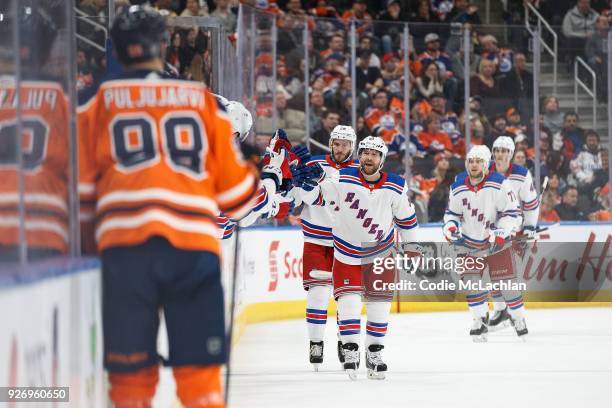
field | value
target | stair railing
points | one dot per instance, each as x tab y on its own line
551	49
592	92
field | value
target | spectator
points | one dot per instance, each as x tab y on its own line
336	46
380	119
293	121
365	43
486	86
570	139
333	73
449	122
368	79
429	82
498	129
193	9
597	55
224	13
390	34
85	77
317	109
442	8
578	26
362	129
358	13
502	57
391	75
433	139
517	84
553	117
166	5
320	139
547	209
568	210
432	53
515	124
520	157
173	52
587	166
464	12
554	188
601	210
424	20
188	50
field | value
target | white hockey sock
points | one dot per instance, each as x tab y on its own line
349	323
516	307
478	304
498	300
378	319
317	299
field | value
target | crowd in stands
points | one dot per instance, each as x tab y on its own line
501	87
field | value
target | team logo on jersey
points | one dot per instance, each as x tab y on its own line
361	215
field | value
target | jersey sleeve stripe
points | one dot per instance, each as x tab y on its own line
237	191
242	207
161	194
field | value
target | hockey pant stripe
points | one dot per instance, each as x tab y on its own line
476	300
376	329
316	316
516	303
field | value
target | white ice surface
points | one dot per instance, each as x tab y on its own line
565	362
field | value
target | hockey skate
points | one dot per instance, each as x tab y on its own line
376	367
316	354
479	329
521	328
500	320
351	359
340	352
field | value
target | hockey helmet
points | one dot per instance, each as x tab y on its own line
504	142
342	132
479	152
241	119
138	25
374	143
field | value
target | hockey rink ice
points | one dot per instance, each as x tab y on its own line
566	361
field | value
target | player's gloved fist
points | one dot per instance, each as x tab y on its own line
279	141
302	153
451	232
281	206
307	176
273	168
498	238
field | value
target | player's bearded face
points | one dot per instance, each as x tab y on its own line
502	157
369	161
476	168
341	150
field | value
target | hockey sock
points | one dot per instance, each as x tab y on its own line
349	311
516	307
498	300
198	386
378	319
478	304
133	390
317	299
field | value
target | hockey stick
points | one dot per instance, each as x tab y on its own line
230	331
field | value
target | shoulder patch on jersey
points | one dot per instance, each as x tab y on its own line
396	179
350	171
459	181
496	177
520	170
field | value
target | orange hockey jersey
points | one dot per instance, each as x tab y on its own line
157	158
45	163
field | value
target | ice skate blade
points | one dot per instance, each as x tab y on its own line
316	366
479	339
501	326
375	375
352	373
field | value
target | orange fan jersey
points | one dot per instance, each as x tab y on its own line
45	163
382	123
157	158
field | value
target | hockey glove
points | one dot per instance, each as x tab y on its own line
451	232
274	167
529	232
497	239
302	153
281	206
411	249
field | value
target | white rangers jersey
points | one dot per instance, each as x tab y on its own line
476	210
366	215
521	182
317	220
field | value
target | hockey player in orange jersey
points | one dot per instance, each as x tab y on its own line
43	144
157	163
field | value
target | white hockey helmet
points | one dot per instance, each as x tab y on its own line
342	132
479	152
374	143
504	142
241	119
